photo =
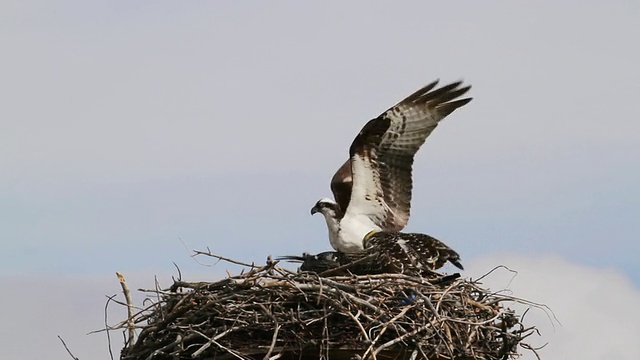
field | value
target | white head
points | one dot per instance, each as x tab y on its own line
328	208
332	215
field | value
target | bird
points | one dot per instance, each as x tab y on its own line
317	263
384	253
409	253
372	189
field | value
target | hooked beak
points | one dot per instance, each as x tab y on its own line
315	209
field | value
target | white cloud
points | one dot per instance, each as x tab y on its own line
596	307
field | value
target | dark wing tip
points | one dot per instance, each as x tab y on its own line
453	257
447	108
292	258
456	262
425	89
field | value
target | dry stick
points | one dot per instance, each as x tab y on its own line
208	253
544	307
345	310
384	329
179	272
339	285
273	342
424	356
447	332
324	343
296	285
320	294
479	305
529	347
66	348
284	272
399	339
213	341
127	296
139	316
414	354
355	319
414	279
442	296
470	338
437	316
177	341
515	273
106	326
363	303
350	296
159	292
157	286
275	333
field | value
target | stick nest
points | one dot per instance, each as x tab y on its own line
270	312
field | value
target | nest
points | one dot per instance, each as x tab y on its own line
272	313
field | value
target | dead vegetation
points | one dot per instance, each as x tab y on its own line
268	312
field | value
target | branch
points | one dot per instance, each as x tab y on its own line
208	253
66	348
127	296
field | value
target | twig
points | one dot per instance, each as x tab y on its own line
179	272
66	348
532	349
384	329
106	326
213	341
514	272
127	296
209	253
362	330
400	338
273	342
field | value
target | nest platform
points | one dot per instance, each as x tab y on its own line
269	312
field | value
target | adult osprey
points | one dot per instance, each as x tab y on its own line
385	252
372	189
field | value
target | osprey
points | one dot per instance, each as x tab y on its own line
372	189
384	252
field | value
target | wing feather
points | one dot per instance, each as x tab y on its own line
382	154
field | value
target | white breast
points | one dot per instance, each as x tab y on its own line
353	229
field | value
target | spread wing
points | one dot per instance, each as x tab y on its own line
382	153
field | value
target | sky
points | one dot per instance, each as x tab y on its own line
134	132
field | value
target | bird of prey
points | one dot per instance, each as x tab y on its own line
384	252
372	189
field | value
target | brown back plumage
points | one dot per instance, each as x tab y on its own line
410	252
341	185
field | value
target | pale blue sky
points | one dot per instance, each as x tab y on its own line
128	127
